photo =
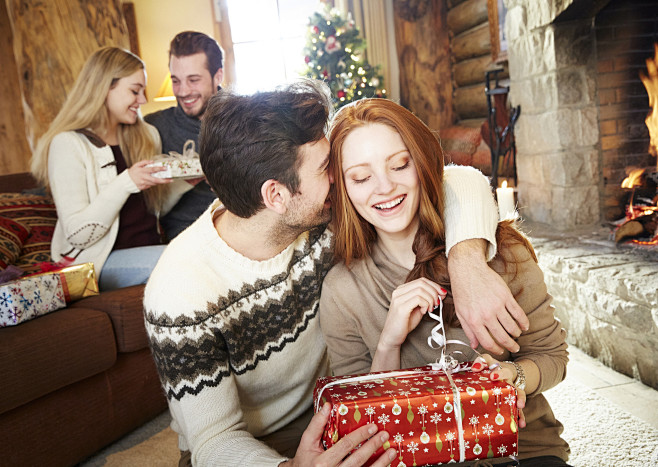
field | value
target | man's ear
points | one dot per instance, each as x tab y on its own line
218	78
275	196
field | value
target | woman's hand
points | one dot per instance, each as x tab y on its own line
142	176
409	303
502	371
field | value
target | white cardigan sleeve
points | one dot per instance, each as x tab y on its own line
85	208
470	210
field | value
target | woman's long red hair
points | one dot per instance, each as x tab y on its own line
354	236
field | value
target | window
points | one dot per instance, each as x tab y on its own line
268	41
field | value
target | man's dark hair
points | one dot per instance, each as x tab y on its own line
192	42
247	140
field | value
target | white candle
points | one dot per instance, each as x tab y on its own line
505	198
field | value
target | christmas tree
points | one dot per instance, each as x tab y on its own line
334	53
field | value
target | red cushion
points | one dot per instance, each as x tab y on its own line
39	213
12	237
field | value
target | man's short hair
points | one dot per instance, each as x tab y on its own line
247	140
192	42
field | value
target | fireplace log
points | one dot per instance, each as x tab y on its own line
642	226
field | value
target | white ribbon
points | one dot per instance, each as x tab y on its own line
446	363
189	151
449	365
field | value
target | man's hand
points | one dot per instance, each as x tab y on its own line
310	451
484	304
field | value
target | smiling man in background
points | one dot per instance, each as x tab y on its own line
195	63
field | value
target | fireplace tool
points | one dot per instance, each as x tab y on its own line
498	130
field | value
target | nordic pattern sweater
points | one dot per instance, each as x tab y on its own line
237	342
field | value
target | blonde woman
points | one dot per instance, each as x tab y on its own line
94	159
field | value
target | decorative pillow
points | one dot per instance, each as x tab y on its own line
464	146
12	236
39	213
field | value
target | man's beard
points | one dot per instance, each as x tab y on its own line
199	114
299	220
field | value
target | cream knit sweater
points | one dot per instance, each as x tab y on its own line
237	342
89	195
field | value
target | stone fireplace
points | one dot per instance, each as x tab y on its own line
574	70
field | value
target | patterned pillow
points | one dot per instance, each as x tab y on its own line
12	236
39	213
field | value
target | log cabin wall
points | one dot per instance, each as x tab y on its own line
14	149
468	23
423	49
46	64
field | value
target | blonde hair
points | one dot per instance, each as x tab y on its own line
85	108
354	236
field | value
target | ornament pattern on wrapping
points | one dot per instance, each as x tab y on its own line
426	430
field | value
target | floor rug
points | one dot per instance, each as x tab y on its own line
598	431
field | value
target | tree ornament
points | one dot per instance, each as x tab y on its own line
332	45
335	53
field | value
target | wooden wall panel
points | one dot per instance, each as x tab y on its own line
52	40
14	150
423	47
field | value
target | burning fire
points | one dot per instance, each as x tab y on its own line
643	219
651	84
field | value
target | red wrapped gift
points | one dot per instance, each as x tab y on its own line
432	416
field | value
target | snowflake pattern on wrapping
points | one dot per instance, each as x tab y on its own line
30	297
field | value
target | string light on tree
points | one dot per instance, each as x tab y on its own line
335	53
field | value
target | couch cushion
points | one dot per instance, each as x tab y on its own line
12	237
53	351
40	214
126	310
464	146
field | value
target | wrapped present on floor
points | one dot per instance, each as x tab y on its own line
186	165
32	296
432	416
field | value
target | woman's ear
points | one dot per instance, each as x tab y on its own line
275	196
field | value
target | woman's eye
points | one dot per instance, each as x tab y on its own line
360	180
402	167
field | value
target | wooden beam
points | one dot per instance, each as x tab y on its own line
473	43
467	15
423	47
470	102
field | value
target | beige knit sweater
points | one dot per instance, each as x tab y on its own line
353	308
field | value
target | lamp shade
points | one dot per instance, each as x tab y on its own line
166	92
